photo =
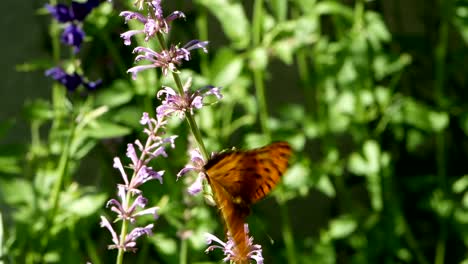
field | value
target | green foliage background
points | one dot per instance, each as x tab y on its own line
372	95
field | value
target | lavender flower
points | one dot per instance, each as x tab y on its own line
153	148
197	164
154	22
73	35
130	213
129	243
126	208
228	247
167	60
71	81
178	105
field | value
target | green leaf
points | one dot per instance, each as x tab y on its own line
325	185
119	93
9	165
420	116
85	205
377	32
279	8
129	115
38	110
367	163
439	120
17	191
34	65
414	139
82	146
106	129
342	227
347	73
253	140
460	185
233	20
297	178
165	244
227	67
332	7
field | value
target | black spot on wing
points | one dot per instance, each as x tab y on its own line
214	160
284	155
275	166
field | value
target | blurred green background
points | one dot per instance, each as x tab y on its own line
372	95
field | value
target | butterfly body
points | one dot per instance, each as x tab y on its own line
241	178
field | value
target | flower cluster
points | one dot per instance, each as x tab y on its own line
73	35
131	202
197	164
180	102
176	104
71	81
155	23
255	252
72	16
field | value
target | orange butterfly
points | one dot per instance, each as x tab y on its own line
241	178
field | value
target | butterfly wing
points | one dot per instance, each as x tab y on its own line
241	178
248	176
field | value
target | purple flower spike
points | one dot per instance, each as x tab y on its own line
77	12
131	212
71	81
196	165
60	12
73	36
154	22
115	239
167	60
179	105
129	244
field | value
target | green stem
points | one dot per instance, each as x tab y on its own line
440	64
287	234
261	101
191	120
258	76
123	235
257	20
55	197
183	251
189	117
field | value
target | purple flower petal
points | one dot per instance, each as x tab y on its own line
60	12
73	36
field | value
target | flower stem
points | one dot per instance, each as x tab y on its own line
440	65
259	84
183	251
191	120
54	198
189	116
123	234
262	106
287	234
